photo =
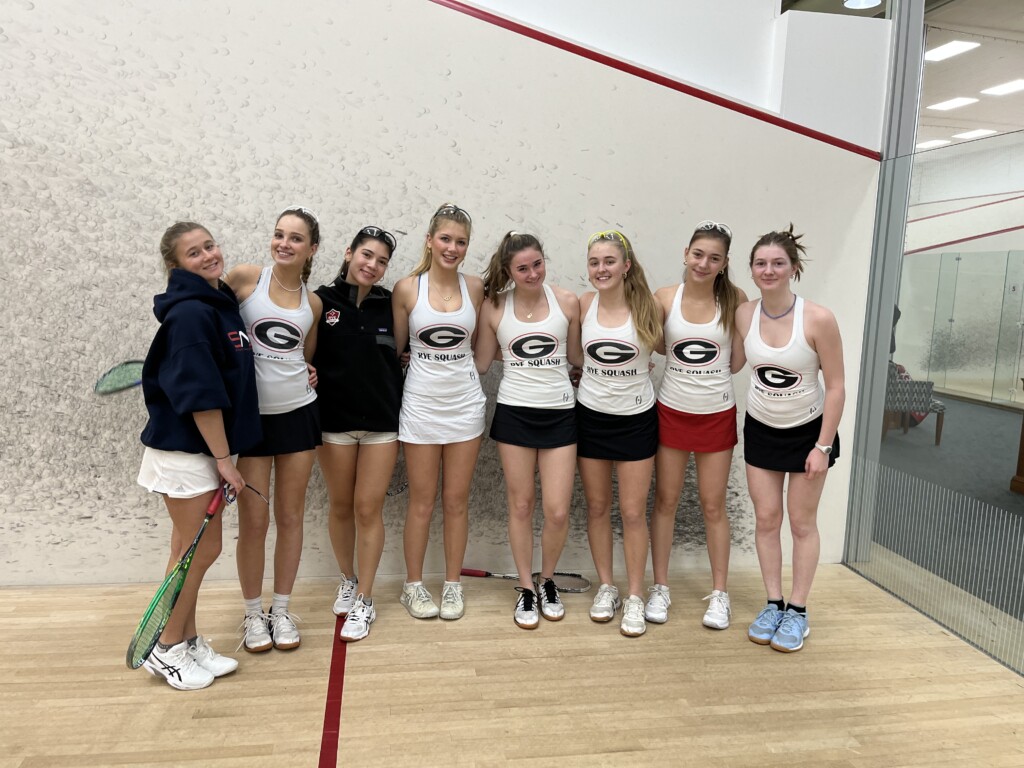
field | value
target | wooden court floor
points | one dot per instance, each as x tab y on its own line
877	684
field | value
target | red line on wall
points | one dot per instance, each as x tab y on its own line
968	208
654	77
968	197
332	708
964	240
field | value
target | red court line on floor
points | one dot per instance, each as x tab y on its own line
654	77
332	708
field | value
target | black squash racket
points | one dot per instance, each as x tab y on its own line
122	376
399	477
564	581
159	611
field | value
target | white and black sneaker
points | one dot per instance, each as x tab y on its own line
346	596
526	615
551	607
177	667
203	654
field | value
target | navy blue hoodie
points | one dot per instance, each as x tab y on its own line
200	360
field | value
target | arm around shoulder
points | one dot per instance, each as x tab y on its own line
242	279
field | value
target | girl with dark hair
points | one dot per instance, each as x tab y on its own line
616	418
200	390
359	394
696	412
537	328
442	418
790	434
281	319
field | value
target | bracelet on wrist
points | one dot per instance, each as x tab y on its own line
221	458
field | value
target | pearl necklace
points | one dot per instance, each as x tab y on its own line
273	274
777	317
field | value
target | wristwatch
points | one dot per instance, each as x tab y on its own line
826	449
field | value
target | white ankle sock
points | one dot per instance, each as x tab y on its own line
253	606
280	603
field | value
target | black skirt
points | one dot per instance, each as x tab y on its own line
291	432
533	427
613	437
782	450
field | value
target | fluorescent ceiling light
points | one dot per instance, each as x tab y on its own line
960	101
949	49
1001	90
859	5
932	143
977	134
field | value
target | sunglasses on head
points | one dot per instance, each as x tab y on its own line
380	234
452	210
302	209
609	234
708	225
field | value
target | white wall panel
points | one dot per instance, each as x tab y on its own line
119	120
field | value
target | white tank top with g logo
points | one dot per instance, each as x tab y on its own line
440	346
616	378
784	387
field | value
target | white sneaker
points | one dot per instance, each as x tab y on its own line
284	631
453	604
207	658
656	609
346	595
606	603
525	614
418	602
551	607
633	623
255	633
357	623
718	612
178	668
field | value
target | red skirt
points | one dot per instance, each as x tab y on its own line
697	432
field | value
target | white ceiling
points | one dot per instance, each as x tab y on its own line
998	25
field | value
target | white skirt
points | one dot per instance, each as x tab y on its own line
177	474
440	420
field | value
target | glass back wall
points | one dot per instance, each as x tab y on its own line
962	323
937	498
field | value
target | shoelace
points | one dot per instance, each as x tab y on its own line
526	599
451	593
718	603
790	625
634	610
605	596
245	627
550	591
360	613
283	618
658	596
347	590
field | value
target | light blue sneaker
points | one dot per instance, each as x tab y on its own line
765	625
789	637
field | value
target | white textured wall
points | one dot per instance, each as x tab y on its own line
118	120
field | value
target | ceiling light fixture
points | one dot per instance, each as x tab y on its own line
860	5
948	50
932	144
960	101
975	134
1001	90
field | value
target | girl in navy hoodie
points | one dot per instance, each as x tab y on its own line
199	385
